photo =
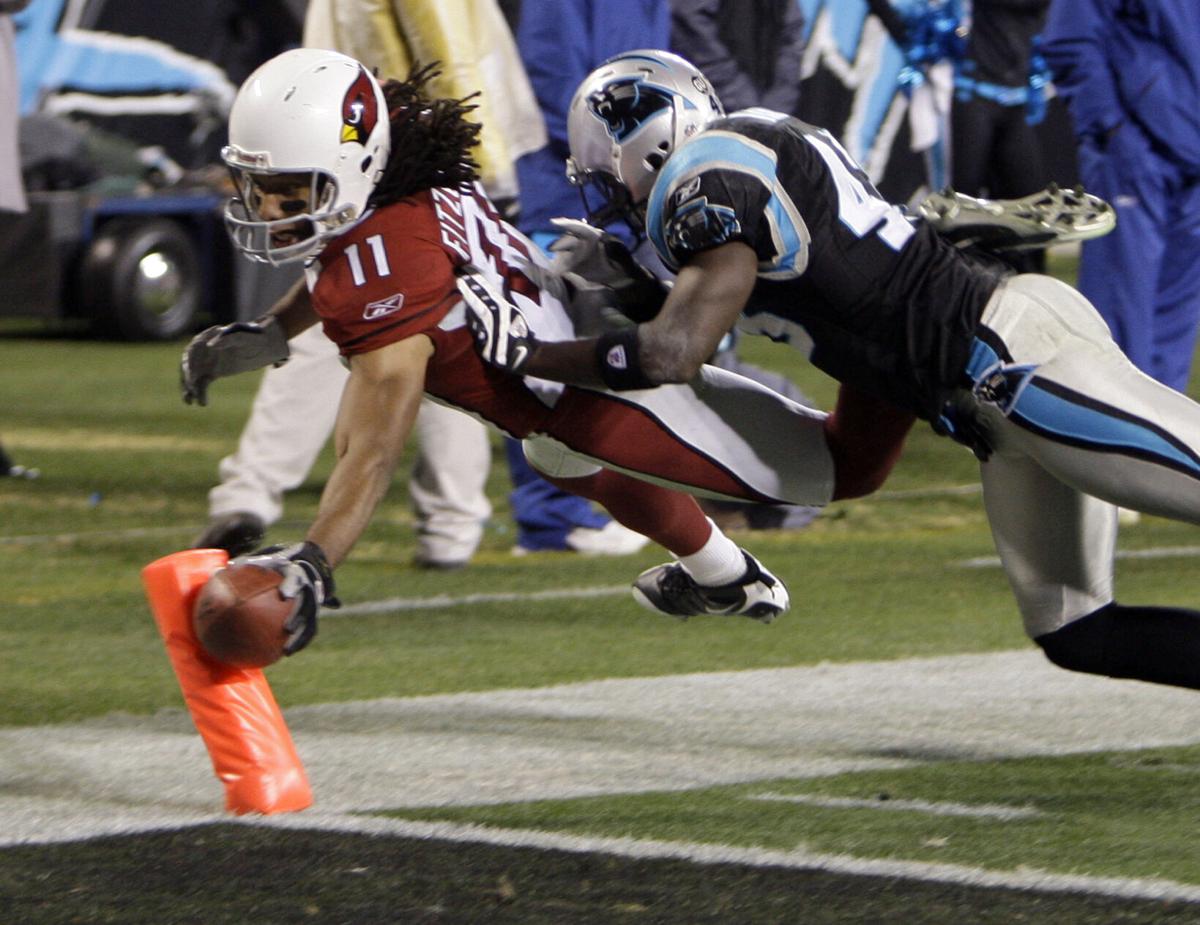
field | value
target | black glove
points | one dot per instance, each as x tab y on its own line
500	330
306	577
226	350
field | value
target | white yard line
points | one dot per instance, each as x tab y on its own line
602	737
968	810
129	533
438	601
1160	552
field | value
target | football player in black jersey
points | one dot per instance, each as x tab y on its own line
772	226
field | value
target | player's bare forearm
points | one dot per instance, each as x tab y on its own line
379	406
572	361
703	306
294	311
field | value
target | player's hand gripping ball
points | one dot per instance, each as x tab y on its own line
240	616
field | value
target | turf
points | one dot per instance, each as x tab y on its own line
231	875
125	467
1070	826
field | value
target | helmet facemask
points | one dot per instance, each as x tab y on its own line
606	200
310	216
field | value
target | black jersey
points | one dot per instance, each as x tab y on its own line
882	302
1001	40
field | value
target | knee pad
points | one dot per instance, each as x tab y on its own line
555	459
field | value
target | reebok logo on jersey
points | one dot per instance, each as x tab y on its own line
687	191
616	357
388	306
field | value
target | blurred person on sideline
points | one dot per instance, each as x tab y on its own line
751	50
296	405
559	42
1000	87
1130	76
12	191
373	187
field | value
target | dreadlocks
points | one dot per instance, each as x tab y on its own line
431	139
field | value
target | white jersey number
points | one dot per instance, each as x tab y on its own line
860	207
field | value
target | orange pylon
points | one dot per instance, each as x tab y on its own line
233	708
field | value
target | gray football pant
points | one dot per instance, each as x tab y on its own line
1076	431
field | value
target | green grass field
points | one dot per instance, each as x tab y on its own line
481	750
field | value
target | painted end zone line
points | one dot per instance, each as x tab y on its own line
393	604
800	859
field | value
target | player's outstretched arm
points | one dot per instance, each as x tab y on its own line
379	406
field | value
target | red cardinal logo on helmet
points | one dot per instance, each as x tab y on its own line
360	110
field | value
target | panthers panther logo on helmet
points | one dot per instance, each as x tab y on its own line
625	105
360	110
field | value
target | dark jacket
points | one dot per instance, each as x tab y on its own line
750	49
1130	60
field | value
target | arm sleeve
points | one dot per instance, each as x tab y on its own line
784	93
695	34
1074	44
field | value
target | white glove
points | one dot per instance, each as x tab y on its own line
500	330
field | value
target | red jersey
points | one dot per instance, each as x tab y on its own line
393	276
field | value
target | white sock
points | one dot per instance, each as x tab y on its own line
718	562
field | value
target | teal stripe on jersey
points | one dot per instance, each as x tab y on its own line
727	151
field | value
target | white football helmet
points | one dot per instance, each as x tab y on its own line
628	116
311	112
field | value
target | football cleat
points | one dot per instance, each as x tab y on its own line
1050	216
669	589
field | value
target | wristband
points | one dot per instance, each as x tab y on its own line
618	362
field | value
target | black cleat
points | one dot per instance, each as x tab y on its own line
236	533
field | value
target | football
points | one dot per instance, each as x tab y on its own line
239	616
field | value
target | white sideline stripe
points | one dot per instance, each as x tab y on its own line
974	810
134	532
1161	552
797	859
393	604
32	539
944	491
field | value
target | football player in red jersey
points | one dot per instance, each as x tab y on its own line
374	188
